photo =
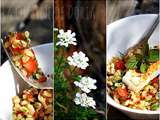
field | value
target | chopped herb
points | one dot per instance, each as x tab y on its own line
153	55
77	78
143	67
155	106
132	63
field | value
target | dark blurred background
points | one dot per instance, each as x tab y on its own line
35	16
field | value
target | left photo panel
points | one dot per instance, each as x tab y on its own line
26	67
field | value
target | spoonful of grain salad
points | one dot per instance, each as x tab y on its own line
18	49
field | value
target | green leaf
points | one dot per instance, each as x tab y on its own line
143	67
132	63
77	78
138	57
153	55
154	106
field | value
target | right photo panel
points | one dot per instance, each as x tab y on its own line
133	64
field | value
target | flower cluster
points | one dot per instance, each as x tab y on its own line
78	60
84	100
66	38
86	84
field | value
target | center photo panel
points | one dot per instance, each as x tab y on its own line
79	59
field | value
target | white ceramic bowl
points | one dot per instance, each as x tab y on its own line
12	84
121	35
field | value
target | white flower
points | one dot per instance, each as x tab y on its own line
66	38
79	60
86	84
84	100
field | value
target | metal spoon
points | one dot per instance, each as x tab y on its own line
131	83
144	38
30	81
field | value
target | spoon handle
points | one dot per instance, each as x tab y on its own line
144	39
149	32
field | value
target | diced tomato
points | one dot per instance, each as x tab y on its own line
19	113
41	114
155	80
122	93
42	79
20	61
119	65
142	97
17	49
150	93
19	36
35	115
30	65
30	97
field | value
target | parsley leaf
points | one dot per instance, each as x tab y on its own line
131	63
143	67
155	106
153	55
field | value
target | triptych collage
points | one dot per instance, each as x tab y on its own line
80	60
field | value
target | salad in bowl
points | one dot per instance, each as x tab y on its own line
132	79
133	74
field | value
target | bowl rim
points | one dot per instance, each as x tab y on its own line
109	100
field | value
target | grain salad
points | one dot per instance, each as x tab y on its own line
33	104
19	47
133	80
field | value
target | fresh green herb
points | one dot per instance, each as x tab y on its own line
113	86
132	63
119	81
153	55
143	67
155	106
34	76
77	78
139	57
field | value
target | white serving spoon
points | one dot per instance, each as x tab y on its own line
46	85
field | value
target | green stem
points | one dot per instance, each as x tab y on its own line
72	71
60	62
62	106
